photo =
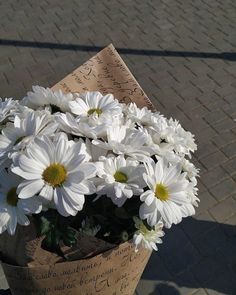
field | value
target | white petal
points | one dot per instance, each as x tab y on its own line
47	192
4	218
25	175
29	188
22	219
31	205
88	169
147	197
76	200
58	199
11	227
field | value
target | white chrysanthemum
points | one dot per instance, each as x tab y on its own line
146	238
120	178
157	122
166	194
128	141
94	114
171	157
162	141
191	191
95	104
57	172
189	168
55	101
141	116
91	127
8	107
184	140
12	209
23	131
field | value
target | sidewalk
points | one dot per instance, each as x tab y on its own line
183	53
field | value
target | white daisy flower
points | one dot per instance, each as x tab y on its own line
186	165
189	168
54	101
95	104
162	141
8	107
147	238
57	172
166	194
127	141
171	157
142	116
22	132
157	122
95	113
184	140
120	178
12	209
92	127
191	191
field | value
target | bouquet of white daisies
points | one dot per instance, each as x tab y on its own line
83	162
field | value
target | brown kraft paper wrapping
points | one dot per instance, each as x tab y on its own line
24	248
116	271
106	72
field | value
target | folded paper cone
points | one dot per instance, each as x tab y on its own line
114	272
106	72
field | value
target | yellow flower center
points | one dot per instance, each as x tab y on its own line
161	192
97	111
12	197
55	174
120	177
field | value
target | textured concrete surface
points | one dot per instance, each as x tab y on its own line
183	54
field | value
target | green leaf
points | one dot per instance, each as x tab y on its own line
45	225
70	232
47	242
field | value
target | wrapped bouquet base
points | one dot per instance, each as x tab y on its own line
89	177
113	272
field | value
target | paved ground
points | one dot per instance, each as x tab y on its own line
183	54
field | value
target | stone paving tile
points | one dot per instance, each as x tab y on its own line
213	160
207	201
199	225
224	210
190	73
214	176
224	138
223	189
230	150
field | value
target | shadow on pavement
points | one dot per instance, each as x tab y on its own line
165	289
195	254
89	48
